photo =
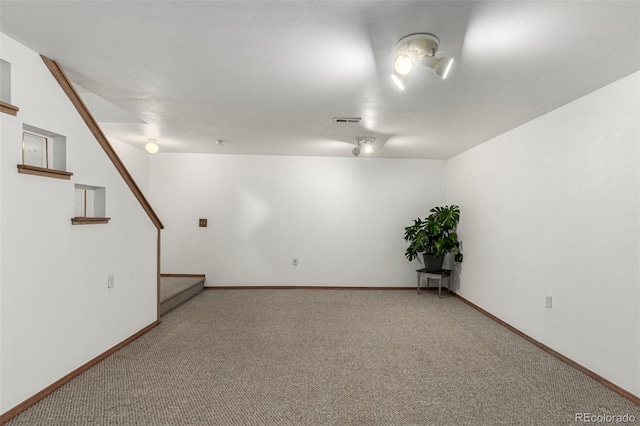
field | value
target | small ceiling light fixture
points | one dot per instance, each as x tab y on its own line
364	145
441	66
152	146
419	47
221	142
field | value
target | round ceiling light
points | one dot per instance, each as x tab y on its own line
368	148
403	64
152	146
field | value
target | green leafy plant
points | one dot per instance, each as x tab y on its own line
435	234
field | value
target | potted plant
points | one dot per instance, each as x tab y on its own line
434	237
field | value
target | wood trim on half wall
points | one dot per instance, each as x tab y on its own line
158	278
93	126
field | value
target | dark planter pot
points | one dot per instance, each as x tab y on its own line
433	264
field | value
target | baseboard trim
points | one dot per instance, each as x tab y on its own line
8	415
606	383
302	287
183	275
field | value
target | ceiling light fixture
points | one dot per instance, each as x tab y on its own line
422	48
152	146
364	145
441	66
403	64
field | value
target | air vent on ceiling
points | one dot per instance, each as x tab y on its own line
346	119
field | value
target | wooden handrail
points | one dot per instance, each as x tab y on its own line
75	99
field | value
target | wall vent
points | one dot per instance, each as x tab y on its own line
355	120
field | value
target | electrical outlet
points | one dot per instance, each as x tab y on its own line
547	302
110	281
295	261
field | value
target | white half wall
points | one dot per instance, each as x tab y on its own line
343	219
551	208
56	312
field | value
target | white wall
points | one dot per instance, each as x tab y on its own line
2	138
342	218
552	208
56	312
136	161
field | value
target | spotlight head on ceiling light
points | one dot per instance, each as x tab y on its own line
364	145
403	64
422	48
152	146
441	66
368	148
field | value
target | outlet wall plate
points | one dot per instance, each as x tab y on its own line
202	223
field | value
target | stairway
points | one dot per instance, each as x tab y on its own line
177	289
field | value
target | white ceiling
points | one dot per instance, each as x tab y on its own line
269	76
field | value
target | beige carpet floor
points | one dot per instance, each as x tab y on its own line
327	357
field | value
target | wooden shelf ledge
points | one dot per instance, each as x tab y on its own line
43	171
8	108
89	220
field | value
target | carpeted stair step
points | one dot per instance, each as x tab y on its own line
175	290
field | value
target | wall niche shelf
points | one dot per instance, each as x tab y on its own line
42	171
5	89
89	205
89	220
8	108
44	153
